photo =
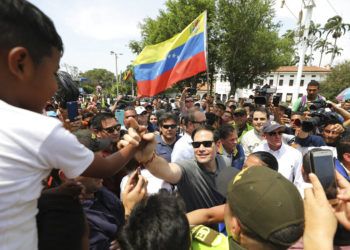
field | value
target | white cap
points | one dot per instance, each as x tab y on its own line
140	110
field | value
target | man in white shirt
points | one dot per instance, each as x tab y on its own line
183	149
254	137
289	159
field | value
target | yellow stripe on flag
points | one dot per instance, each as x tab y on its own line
158	52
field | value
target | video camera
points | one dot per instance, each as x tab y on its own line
320	113
263	94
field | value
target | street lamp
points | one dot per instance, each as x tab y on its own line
116	67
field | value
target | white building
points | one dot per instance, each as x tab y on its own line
283	80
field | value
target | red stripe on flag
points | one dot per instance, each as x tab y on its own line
182	70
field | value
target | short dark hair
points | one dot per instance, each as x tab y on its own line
267	158
225	130
262	110
96	121
61	221
167	116
23	24
343	146
206	128
314	83
211	118
158	222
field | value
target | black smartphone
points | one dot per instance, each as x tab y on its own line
288	112
322	165
276	100
192	91
72	110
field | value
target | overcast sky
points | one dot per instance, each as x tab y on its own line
90	29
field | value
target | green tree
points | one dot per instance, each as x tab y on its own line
101	77
249	44
322	45
336	81
334	51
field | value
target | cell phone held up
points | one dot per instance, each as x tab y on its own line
322	165
72	110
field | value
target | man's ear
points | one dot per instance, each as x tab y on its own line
62	176
20	63
346	157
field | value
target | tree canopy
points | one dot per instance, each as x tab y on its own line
101	77
336	81
243	41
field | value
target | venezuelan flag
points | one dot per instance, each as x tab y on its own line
160	66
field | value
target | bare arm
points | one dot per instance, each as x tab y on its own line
105	167
170	172
206	215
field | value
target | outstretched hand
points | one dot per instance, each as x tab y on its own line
138	137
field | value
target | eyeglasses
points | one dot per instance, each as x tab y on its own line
172	126
197	144
200	123
275	133
111	130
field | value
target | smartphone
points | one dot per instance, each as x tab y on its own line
119	114
192	91
322	164
288	112
72	110
276	100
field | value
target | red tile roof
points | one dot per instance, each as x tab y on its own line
305	69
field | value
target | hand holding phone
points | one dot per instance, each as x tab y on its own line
322	165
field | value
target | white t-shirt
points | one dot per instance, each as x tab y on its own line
289	161
183	149
31	146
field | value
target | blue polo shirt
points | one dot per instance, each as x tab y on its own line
164	150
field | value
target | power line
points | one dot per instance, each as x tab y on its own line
332	7
291	12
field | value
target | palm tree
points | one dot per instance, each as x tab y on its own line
323	45
314	34
336	28
335	51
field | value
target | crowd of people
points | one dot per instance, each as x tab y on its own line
182	172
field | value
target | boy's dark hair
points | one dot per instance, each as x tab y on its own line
314	83
262	110
206	128
96	121
158	222
267	158
167	116
61	221
23	24
343	146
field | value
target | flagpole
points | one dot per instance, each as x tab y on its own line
206	50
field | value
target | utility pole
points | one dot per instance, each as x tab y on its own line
308	5
116	68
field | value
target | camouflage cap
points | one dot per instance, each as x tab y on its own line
264	201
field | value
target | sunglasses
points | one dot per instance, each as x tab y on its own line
197	144
275	133
111	130
172	126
